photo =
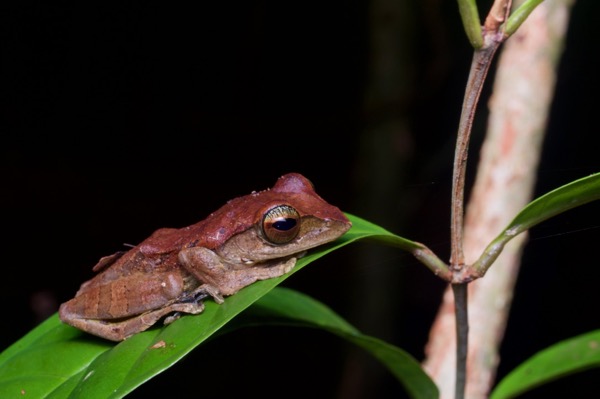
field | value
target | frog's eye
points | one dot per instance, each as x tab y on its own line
281	224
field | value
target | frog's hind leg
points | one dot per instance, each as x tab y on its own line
120	330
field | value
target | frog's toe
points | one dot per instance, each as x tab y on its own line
187	307
209	290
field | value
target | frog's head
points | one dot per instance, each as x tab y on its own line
289	219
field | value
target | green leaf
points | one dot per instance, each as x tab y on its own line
470	19
518	16
569	196
562	359
90	367
292	305
45	359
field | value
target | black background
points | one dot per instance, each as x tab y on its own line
118	120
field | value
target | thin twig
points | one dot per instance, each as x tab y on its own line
479	69
462	337
480	66
497	15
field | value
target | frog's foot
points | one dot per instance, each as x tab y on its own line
202	292
192	302
206	290
177	309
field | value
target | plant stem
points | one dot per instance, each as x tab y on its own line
497	15
462	337
479	69
480	66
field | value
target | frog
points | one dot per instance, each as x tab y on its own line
171	273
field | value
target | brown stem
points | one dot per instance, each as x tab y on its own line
480	65
482	59
497	15
460	292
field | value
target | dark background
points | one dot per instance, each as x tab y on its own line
118	120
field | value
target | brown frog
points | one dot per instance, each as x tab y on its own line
251	238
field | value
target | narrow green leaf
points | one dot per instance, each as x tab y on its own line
296	306
94	368
564	358
471	23
569	196
518	16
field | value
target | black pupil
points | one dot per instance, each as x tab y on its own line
284	224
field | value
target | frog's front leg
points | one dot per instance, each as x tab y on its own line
209	268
